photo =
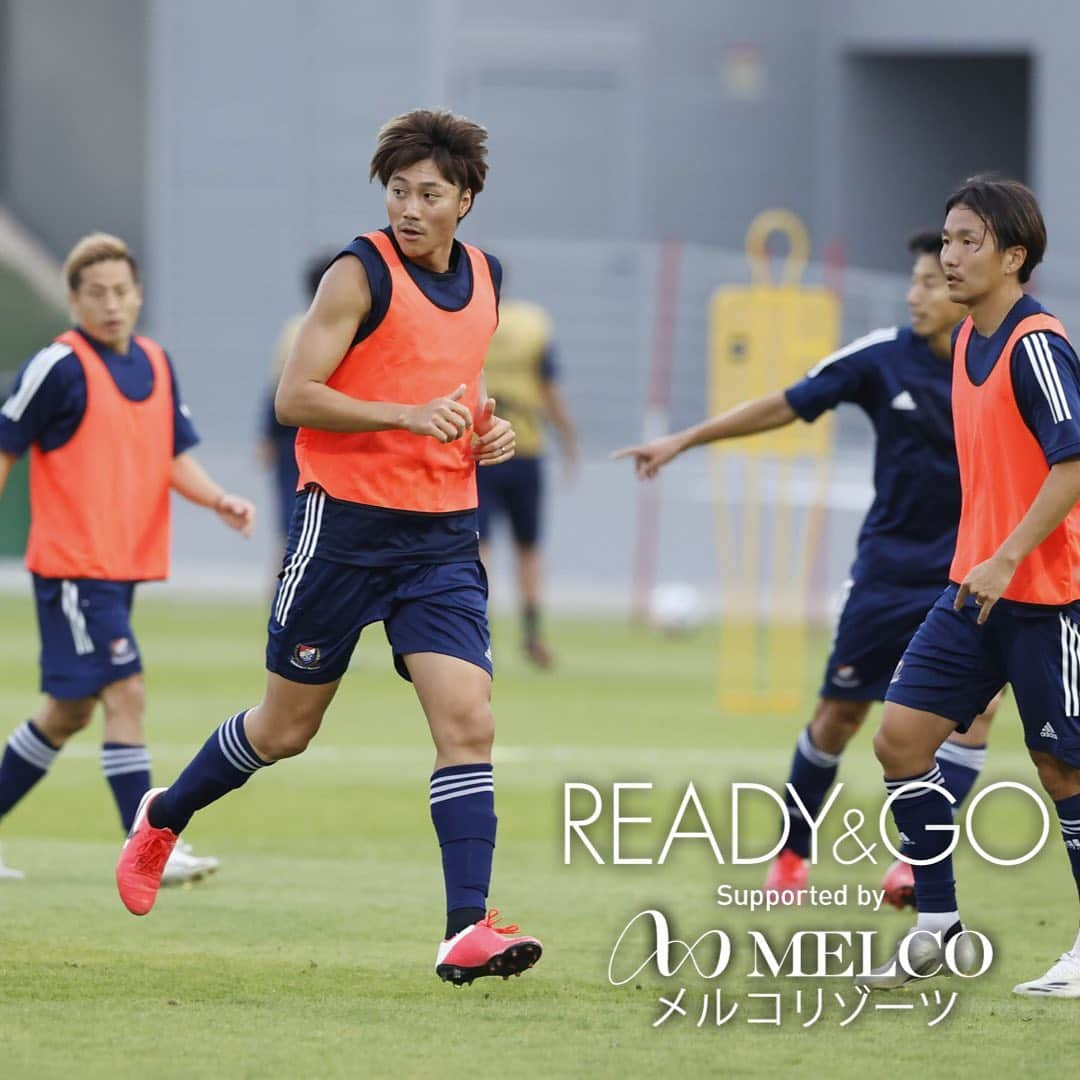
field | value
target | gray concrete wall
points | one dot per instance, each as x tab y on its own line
615	124
74	81
1044	30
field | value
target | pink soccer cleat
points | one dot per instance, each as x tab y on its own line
485	949
789	872
899	885
142	859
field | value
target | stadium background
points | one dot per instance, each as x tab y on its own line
229	140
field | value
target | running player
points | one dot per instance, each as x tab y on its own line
522	376
108	436
1010	613
386	385
900	378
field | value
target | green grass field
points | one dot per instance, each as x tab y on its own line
310	953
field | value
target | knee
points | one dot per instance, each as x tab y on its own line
467	731
274	737
1059	780
287	741
59	720
835	722
126	700
889	749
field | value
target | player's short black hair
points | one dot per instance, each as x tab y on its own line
925	243
314	269
1010	211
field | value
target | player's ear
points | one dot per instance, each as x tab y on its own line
1015	258
464	203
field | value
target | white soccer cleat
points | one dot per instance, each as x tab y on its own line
184	865
1061	981
9	873
925	958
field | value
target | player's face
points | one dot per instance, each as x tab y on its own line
973	265
932	312
424	209
107	302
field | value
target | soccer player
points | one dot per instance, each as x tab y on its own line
900	378
277	445
522	376
1010	613
108	436
386	384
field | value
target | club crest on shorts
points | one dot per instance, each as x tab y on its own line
121	650
846	676
306	656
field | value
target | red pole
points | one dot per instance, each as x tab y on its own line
655	423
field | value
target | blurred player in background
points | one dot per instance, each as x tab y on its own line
100	413
277	444
386	383
523	378
1011	613
901	378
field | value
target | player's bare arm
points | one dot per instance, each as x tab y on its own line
196	485
762	414
559	413
6	463
494	440
303	399
987	581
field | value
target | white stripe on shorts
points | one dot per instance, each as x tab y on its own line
1070	664
305	549
69	604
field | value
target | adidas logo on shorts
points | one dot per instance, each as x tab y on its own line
1048	732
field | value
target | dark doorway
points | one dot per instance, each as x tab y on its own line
914	126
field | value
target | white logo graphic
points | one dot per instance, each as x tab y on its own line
904	839
1073	845
1048	732
487	653
896	673
846	676
904	402
121	651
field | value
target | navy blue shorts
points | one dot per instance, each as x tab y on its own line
86	637
876	624
515	489
953	668
321	607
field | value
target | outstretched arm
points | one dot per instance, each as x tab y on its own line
196	485
762	414
559	413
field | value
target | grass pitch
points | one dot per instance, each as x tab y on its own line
310	953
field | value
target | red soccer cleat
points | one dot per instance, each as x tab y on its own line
142	859
789	871
899	885
485	949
